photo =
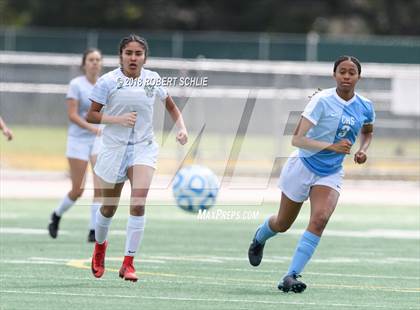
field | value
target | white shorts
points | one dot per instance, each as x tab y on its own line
113	162
296	180
82	149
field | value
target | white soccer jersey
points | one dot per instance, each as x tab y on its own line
80	89
120	94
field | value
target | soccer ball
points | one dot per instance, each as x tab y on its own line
195	188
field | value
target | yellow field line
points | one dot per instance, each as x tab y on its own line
81	264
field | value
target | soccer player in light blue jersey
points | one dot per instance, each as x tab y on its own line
123	100
82	142
324	135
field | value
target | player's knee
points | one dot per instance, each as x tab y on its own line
138	202
280	226
97	193
283	228
76	193
319	222
108	211
137	210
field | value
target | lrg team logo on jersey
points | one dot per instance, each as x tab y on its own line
346	123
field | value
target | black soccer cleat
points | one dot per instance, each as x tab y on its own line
290	283
91	236
53	226
255	252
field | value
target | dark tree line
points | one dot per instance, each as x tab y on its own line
395	17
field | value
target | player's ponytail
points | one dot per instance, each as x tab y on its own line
314	93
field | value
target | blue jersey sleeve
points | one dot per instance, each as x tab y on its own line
313	110
100	91
370	117
73	91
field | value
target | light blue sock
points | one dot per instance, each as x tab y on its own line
303	253
264	232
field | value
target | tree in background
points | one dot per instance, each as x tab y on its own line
396	17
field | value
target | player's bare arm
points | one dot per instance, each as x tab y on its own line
182	135
95	116
73	115
366	135
301	141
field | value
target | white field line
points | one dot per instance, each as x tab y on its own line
148	280
333	275
51	262
373	233
220	260
27	231
225	282
25	262
352	275
117	259
367	234
257	283
219	282
83	264
189	299
278	259
51	259
64	261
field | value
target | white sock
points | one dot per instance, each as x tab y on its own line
101	227
65	204
135	232
93	209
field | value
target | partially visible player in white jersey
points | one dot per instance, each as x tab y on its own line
325	133
123	100
82	142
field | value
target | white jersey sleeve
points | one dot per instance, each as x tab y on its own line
74	91
313	110
100	91
161	91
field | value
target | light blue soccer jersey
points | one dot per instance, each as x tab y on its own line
80	89
334	119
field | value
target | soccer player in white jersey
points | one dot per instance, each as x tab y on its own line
126	97
82	142
325	133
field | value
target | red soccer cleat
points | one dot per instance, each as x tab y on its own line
98	259
127	270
